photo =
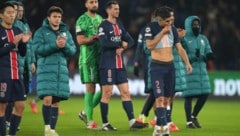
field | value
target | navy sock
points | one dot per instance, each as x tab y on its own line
14	123
161	116
148	105
46	112
2	126
8	111
54	117
128	107
104	111
168	115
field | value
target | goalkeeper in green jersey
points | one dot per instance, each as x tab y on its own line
87	38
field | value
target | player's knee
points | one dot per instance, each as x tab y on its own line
125	95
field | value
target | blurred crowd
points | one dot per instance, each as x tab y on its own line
219	23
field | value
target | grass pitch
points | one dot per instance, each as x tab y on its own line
218	118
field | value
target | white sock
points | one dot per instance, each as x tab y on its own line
105	124
47	127
131	122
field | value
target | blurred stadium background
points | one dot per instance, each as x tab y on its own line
220	19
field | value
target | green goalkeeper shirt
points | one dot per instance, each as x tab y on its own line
88	26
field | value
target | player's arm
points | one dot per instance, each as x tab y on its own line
42	47
4	50
182	53
80	34
140	45
70	47
105	41
82	40
127	38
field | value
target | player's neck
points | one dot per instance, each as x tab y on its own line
112	20
91	14
6	25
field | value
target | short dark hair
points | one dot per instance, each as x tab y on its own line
110	3
163	12
54	9
13	2
4	5
169	9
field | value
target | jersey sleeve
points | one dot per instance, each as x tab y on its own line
81	26
140	45
148	32
175	35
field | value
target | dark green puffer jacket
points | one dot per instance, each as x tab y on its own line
52	71
198	81
180	72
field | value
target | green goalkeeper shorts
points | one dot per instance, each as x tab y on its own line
89	73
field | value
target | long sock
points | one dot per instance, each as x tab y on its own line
2	126
96	98
8	111
54	117
171	109
88	104
104	112
46	112
199	104
128	107
161	116
168	114
14	123
188	108
148	104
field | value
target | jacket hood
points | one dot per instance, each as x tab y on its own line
63	26
188	24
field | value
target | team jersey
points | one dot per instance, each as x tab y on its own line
9	67
88	26
142	49
168	40
111	37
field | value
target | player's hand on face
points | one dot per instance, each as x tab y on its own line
166	29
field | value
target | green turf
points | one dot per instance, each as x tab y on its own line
218	118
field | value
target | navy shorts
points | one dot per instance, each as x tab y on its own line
163	79
12	90
113	76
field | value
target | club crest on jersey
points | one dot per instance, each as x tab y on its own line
100	31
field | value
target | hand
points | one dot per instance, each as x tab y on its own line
197	53
17	39
33	68
211	56
119	51
95	37
166	29
26	37
181	33
189	68
136	71
124	44
61	41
